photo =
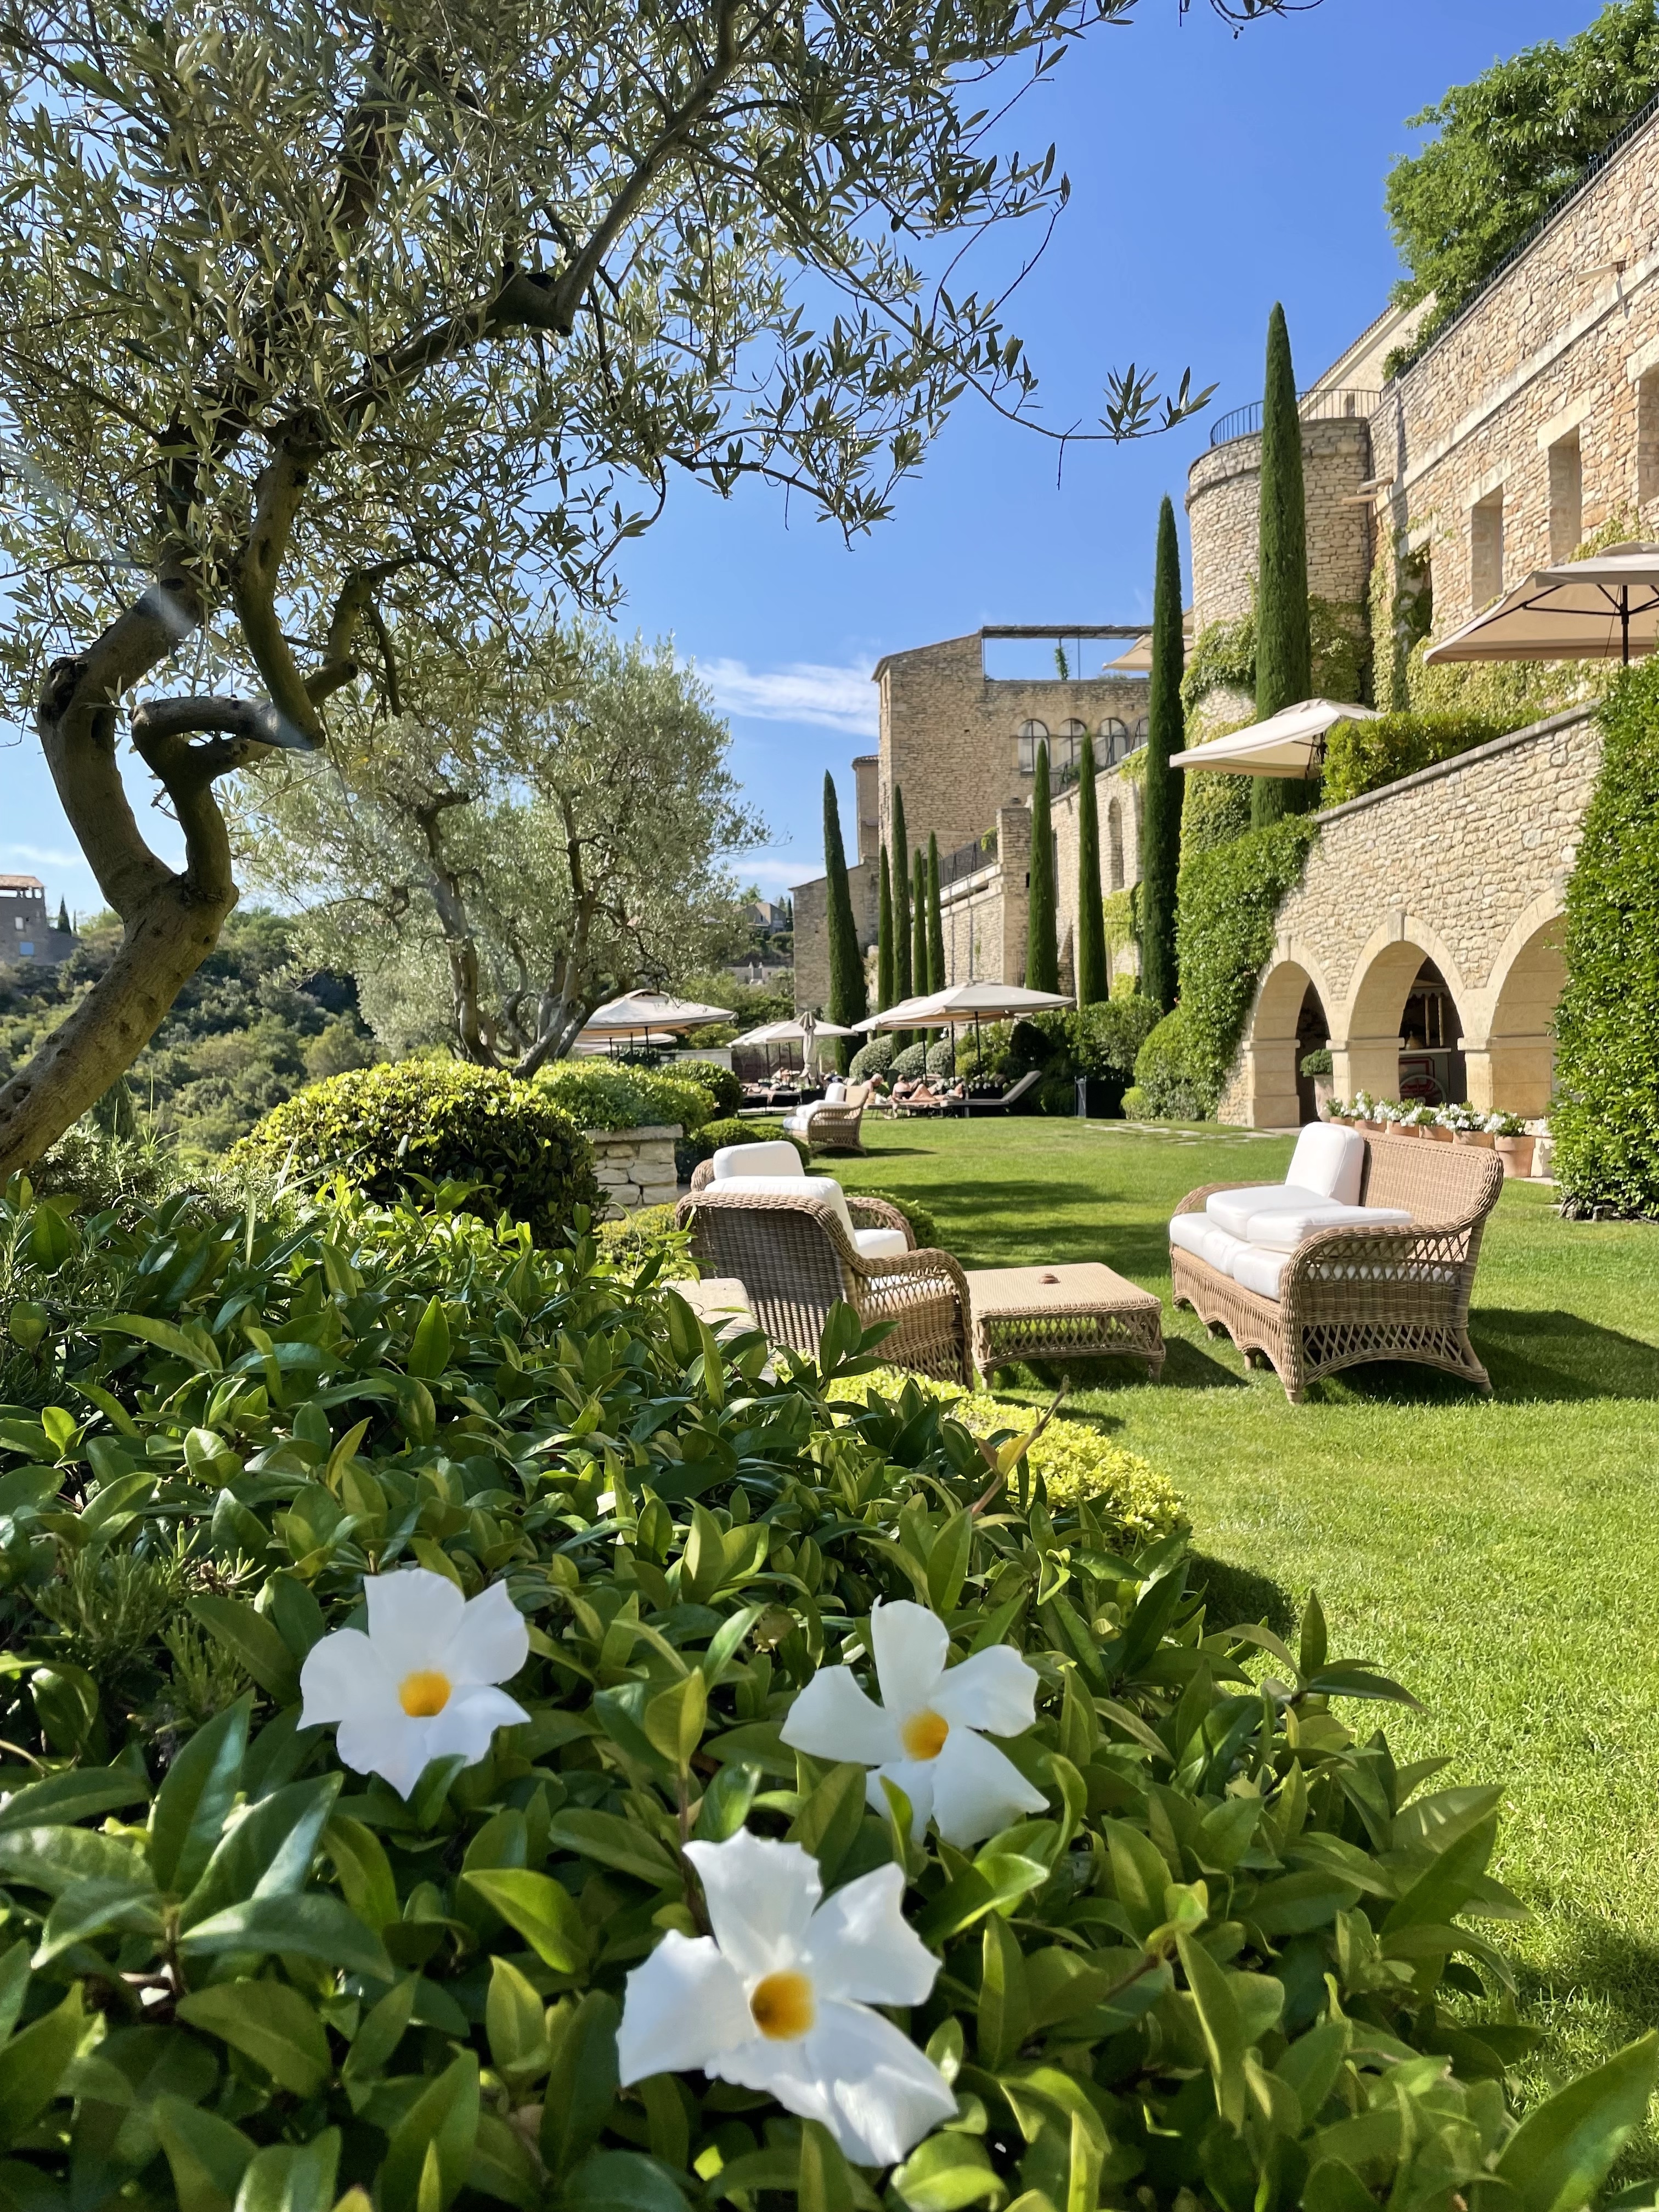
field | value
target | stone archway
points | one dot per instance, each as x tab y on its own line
1516	1072
1399	969
1274	1096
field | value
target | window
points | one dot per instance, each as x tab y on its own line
1486	550
1031	735
1114	740
1566	496
1139	735
1065	752
1646	437
1114	845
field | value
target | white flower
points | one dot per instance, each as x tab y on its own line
419	1686
779	1999
925	1735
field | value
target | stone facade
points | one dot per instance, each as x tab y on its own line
812	929
1464	865
1223	508
635	1167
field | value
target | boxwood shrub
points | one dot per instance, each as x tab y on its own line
715	1136
392	1128
1606	1113
1240	1958
1362	756
604	1094
722	1086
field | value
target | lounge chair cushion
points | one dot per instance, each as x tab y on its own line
1233	1209
1255	1269
834	1091
1205	1239
880	1244
1329	1159
1281	1229
800	1186
749	1160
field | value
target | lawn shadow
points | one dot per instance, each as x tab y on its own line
1186	1366
1234	1596
1533	1358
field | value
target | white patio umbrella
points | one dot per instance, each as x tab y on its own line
1603	608
1290	742
804	1032
638	1012
961	1003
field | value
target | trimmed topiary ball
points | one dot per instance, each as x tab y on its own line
911	1062
875	1057
385	1127
722	1086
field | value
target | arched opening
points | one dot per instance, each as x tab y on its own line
1114	741
1405	1037
1521	1049
1114	844
1031	735
1289	1021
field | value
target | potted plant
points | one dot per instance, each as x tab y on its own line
1513	1144
1468	1125
1318	1065
1366	1114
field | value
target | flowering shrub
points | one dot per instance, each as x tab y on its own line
644	1950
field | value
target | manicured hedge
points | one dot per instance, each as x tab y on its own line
1362	756
603	1094
715	1136
387	1128
722	1086
1606	1116
1230	902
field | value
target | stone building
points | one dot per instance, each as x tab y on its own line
26	930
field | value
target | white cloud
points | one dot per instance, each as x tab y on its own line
44	856
775	871
834	698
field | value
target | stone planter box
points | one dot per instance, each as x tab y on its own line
635	1167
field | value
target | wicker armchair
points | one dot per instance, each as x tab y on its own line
795	1260
1350	1295
826	1128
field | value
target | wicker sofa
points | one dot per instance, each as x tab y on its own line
798	1242
1354	1292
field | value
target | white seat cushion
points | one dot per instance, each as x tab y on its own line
880	1244
1281	1229
834	1091
1330	1159
1205	1239
1233	1208
798	1186
746	1160
1254	1269
795	1123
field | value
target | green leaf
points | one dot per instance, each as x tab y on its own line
1225	2041
381	2030
611	1842
622	2181
581	2083
514	2017
946	2172
271	2022
79	1794
444	2119
191	1806
1314	1644
504	2165
292	2177
428	1353
1448	1882
727	1800
673	1721
829	1822
947	1562
365	1874
34	2062
208	2156
268	1852
1562	2151
92	1908
14	1984
51	1858
198	1349
541	1910
1005	2005
253	1641
316	1927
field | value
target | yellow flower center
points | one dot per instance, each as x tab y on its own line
423	1693
923	1734
782	2005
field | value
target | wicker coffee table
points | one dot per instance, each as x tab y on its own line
1076	1312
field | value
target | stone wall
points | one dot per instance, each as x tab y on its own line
1464	865
1117	805
812	929
635	1167
1223	508
949	734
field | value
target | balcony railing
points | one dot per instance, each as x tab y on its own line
1312	407
968	859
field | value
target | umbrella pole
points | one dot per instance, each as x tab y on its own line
1624	619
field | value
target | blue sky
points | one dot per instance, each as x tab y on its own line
1211	175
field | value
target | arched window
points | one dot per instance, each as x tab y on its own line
1114	740
1114	844
1065	753
1141	727
1031	735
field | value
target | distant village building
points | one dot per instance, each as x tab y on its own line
1424	944
27	931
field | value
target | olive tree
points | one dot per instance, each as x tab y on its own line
535	827
303	306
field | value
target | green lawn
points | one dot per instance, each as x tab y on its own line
1500	1557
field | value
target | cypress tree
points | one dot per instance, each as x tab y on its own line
884	939
1042	936
1093	983
935	919
920	967
903	984
1164	790
849	1000
1283	647
62	925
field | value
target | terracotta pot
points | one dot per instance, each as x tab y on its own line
1370	1128
1435	1134
1402	1128
1516	1152
1481	1137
